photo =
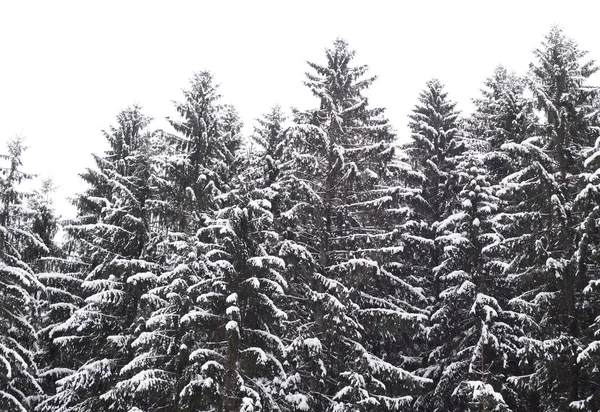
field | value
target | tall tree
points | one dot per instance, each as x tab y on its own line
432	152
542	229
586	203
268	135
475	337
112	237
240	362
60	273
19	388
198	165
476	311
341	153
435	236
195	177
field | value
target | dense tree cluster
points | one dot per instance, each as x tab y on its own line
318	264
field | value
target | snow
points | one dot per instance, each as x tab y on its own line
232	298
299	401
143	277
259	261
232	311
313	345
232	325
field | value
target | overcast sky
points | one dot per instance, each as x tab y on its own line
68	67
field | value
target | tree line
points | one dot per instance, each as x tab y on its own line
317	264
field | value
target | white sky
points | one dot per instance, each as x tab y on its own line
68	67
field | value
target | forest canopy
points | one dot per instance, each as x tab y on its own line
318	263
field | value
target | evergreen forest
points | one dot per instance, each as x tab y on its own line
322	262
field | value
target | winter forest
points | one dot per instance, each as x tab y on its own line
322	263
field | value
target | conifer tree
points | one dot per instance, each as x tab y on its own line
195	170
502	113
240	362
19	287
341	154
480	332
432	152
439	237
268	135
112	237
197	164
475	337
587	203
541	227
60	274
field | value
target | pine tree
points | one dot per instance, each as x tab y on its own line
502	113
62	297
111	236
339	157
432	190
19	287
198	165
446	237
503	119
541	227
195	170
60	275
268	135
586	203
43	221
476	337
480	333
240	362
432	153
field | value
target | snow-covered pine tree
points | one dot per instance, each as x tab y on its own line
197	161
542	228
587	203
43	221
432	152
19	388
475	338
268	135
196	170
428	233
111	236
338	158
61	277
502	116
238	366
502	113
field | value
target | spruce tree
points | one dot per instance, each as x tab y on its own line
111	236
60	273
432	153
586	203
195	170
542	229
435	238
476	307
476	338
339	158
19	388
